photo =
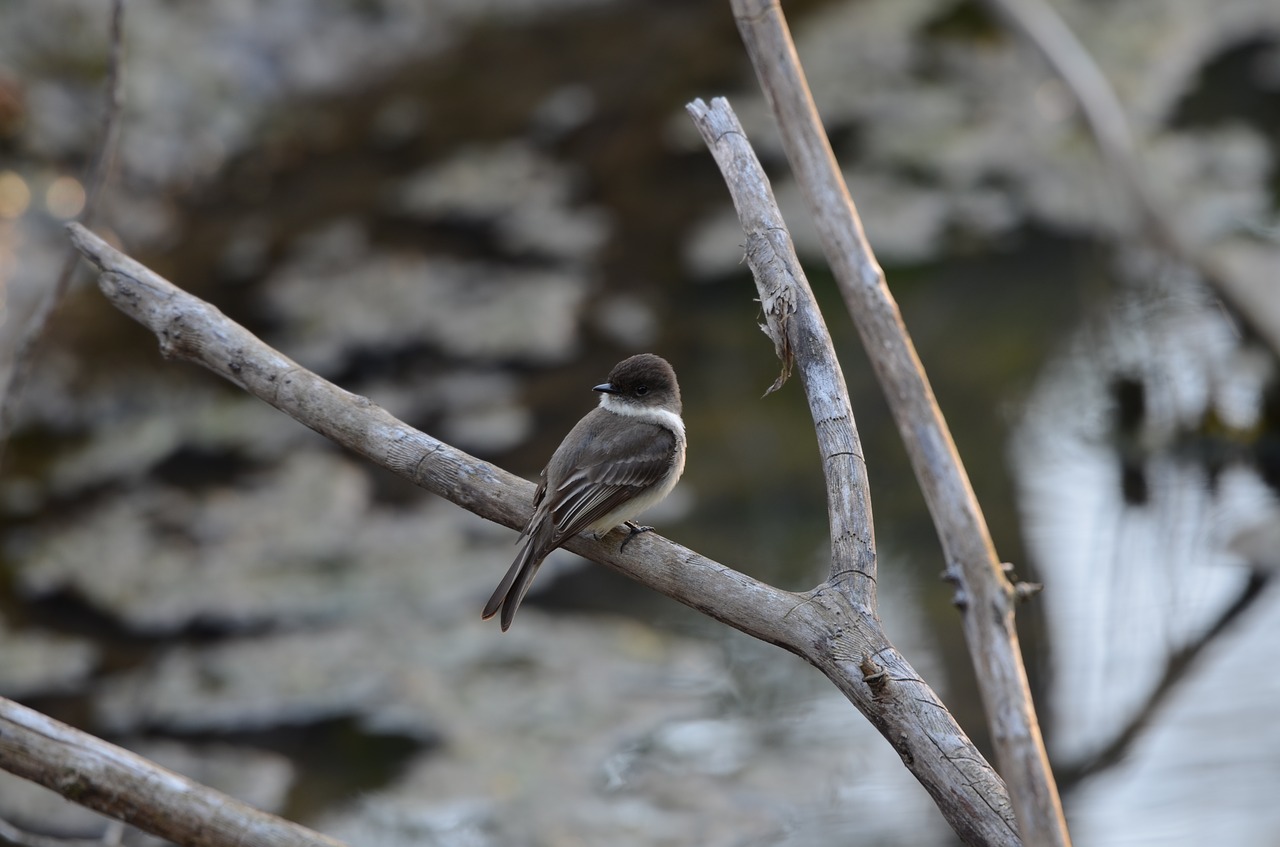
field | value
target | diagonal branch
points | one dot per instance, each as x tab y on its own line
842	639
189	329
112	780
966	542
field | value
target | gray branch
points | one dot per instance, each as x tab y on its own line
111	780
800	336
984	593
826	626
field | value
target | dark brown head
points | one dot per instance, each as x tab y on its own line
645	380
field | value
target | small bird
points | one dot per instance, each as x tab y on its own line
623	457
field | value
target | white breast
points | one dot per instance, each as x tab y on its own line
661	417
666	419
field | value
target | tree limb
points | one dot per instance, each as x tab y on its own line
111	780
191	330
799	333
823	626
983	590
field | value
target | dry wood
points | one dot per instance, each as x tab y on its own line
985	594
800	338
111	780
800	325
826	627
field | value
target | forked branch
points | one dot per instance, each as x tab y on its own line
841	637
986	595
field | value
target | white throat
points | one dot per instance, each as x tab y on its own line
653	414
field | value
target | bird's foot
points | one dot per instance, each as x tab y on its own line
633	529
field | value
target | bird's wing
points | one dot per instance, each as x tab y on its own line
603	481
538	497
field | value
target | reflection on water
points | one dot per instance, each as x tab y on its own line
1140	471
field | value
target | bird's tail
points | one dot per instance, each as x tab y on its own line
511	590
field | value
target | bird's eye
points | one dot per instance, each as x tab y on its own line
642	390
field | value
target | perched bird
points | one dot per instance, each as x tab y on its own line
624	456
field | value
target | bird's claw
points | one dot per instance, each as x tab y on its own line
633	529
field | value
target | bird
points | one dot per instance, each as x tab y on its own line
622	458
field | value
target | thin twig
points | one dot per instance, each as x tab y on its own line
95	181
971	561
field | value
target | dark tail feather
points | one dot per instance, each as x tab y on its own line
511	590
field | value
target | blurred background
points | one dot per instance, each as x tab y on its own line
468	212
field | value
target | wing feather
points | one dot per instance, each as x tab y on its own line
602	481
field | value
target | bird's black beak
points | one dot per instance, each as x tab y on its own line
606	388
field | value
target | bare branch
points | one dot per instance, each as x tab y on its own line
843	640
192	330
798	330
966	541
35	327
111	780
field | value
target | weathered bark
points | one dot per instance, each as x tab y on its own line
834	626
985	595
111	780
